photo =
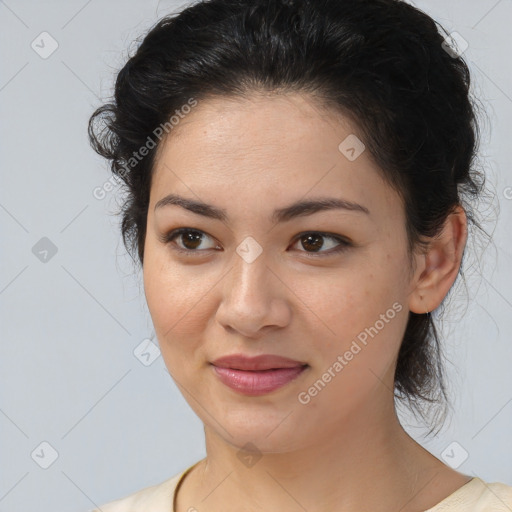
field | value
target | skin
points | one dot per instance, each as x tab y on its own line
345	449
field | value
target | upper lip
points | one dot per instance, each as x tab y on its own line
262	362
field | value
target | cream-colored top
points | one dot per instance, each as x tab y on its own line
474	496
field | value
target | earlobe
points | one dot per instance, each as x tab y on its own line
442	263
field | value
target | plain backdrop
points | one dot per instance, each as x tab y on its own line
84	417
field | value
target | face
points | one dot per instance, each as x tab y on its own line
325	287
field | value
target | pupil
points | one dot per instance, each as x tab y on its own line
192	237
316	245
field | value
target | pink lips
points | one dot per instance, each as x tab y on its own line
258	375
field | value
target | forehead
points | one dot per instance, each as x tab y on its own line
260	123
277	148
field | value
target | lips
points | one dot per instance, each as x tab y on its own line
257	383
257	363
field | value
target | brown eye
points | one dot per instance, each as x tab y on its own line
191	240
317	242
312	242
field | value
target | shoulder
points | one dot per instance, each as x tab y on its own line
497	497
478	496
157	498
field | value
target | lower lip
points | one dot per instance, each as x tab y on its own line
255	383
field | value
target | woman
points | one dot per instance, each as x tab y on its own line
298	178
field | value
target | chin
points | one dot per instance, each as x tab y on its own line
259	434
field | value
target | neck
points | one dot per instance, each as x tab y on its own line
369	462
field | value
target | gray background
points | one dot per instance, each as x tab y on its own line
71	323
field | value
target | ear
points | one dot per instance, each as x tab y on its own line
437	268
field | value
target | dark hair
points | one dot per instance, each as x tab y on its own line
382	63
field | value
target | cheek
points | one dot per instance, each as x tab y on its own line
344	301
178	302
355	365
362	316
168	292
177	316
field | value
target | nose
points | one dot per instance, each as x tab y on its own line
254	299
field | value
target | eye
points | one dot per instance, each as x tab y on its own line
191	240
313	241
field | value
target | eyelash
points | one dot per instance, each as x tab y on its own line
344	244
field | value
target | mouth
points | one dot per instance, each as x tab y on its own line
265	362
256	383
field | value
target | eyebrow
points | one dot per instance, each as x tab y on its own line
297	209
